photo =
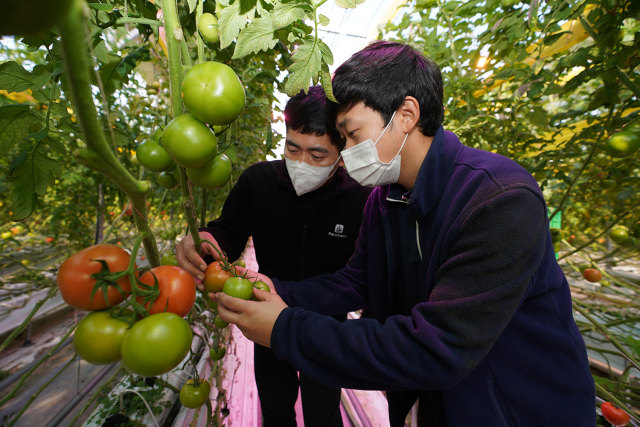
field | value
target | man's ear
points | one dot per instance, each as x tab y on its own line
409	114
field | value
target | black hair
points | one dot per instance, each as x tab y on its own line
381	75
306	113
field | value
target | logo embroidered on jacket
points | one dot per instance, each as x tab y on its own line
339	228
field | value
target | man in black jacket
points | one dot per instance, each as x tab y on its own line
304	213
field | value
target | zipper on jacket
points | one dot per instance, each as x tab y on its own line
304	236
417	225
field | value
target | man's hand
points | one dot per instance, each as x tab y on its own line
253	276
254	318
190	260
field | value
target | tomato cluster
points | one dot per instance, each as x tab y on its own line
101	277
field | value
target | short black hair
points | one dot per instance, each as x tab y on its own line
307	114
381	75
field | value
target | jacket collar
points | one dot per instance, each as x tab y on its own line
433	175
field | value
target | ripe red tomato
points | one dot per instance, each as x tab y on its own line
208	26
177	290
614	415
50	239
98	338
238	287
194	396
189	142
76	283
213	175
592	275
156	344
215	276
213	84
217	355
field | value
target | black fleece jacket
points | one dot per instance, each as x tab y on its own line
295	237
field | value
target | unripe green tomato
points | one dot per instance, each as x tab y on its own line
176	174
192	396
25	262
217	355
259	284
166	180
230	152
98	338
189	142
213	175
238	287
619	235
152	156
152	91
168	259
158	133
155	85
623	144
213	84
212	305
219	322
208	26
6	235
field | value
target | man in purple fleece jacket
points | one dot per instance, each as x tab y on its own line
470	312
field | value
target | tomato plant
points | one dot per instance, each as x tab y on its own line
189	142
614	415
215	276
212	175
213	83
195	395
217	355
30	17
98	338
177	290
156	344
76	278
238	287
152	156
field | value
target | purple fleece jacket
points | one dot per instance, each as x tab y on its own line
492	342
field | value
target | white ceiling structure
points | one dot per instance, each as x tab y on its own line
349	30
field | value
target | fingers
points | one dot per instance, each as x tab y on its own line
207	249
261	295
185	247
230	309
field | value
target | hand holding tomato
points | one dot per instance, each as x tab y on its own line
254	319
190	260
255	276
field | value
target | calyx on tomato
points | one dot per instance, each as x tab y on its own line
177	290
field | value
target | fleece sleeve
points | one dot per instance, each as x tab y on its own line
477	290
233	228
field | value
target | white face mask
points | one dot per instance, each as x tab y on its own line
306	178
364	165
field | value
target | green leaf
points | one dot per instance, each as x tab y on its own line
231	21
551	39
327	56
307	64
130	61
268	139
257	36
574	59
348	4
324	21
192	5
55	145
28	177
112	80
101	6
325	81
539	117
100	50
286	13
43	39
14	78
14	124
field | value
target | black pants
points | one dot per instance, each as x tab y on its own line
278	386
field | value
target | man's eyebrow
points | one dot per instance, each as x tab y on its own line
343	123
318	148
290	142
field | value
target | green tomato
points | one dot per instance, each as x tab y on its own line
152	156
158	133
213	175
213	93
623	144
217	355
194	396
212	305
168	259
259	284
156	344
238	287
608	184
6	235
230	152
189	142
98	338
32	17
619	235
167	180
208	26
219	322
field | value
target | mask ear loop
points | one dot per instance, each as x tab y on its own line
334	166
385	128
405	140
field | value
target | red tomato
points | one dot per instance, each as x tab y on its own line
592	275
76	283
50	239
177	290
615	416
215	276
